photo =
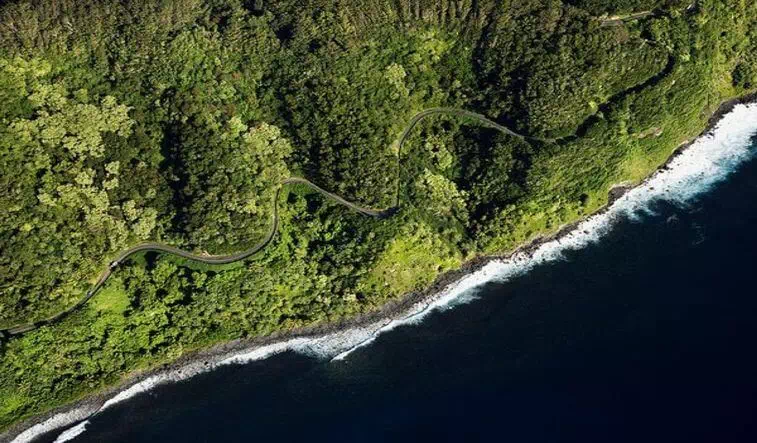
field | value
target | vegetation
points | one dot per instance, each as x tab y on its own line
177	127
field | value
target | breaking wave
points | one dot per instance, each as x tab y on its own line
707	161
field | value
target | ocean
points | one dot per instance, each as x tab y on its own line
638	327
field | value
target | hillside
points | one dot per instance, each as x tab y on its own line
177	121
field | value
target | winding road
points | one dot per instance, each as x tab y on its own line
617	20
235	257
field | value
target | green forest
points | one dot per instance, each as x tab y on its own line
125	121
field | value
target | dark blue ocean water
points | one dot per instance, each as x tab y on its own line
648	335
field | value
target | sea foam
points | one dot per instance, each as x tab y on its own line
707	161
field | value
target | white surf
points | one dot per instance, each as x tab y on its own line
707	161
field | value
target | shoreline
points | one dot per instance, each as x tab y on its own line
402	308
233	257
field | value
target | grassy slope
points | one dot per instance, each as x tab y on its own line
339	82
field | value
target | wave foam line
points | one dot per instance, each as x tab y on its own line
707	161
71	433
57	421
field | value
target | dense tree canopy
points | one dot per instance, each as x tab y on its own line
124	121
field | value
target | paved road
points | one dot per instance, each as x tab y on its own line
617	20
231	258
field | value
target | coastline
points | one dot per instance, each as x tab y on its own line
400	309
163	248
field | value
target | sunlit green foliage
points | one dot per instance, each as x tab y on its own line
175	121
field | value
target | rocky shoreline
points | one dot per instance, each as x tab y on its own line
198	361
